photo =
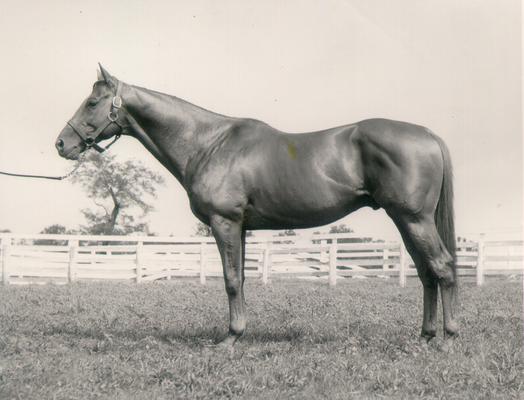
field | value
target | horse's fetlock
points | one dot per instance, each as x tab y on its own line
451	329
237	329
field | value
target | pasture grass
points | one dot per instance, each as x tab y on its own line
304	341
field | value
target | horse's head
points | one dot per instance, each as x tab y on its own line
97	119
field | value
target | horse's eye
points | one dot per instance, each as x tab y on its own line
92	102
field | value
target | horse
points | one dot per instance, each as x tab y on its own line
242	174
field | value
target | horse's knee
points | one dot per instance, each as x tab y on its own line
233	286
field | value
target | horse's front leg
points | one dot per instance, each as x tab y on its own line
229	238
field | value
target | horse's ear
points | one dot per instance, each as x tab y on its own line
104	75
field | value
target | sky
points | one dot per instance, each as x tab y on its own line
452	66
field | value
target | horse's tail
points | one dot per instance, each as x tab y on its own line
444	215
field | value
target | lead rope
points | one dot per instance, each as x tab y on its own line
56	178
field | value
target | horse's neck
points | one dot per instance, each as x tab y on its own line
172	129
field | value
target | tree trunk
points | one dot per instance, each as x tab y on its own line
114	214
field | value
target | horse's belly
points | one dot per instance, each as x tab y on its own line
304	208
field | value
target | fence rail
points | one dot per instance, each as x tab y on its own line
68	258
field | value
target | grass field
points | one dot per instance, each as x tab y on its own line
304	341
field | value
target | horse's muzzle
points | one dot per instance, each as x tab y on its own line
59	146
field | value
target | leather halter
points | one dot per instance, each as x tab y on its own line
90	138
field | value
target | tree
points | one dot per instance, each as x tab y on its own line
342	228
202	229
119	190
287	232
55	229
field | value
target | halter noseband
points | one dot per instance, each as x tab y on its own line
89	139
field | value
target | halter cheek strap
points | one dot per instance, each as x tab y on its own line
90	138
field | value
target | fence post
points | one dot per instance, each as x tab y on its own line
323	253
138	263
267	262
168	273
480	261
260	262
202	263
332	278
402	265
71	273
385	257
6	247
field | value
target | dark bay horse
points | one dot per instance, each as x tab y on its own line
242	174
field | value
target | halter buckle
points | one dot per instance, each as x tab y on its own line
117	101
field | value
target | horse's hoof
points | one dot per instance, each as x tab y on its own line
448	344
427	335
227	343
423	341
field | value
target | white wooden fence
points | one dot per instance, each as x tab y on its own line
68	258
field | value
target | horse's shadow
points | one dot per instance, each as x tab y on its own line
260	336
197	336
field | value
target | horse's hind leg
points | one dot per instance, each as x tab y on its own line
429	284
434	264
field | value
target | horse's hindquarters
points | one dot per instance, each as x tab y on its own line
402	164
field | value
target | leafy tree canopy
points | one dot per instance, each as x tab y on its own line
202	229
55	229
342	228
121	190
287	232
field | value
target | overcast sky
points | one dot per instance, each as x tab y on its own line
453	66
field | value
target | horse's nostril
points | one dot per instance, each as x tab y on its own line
60	143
